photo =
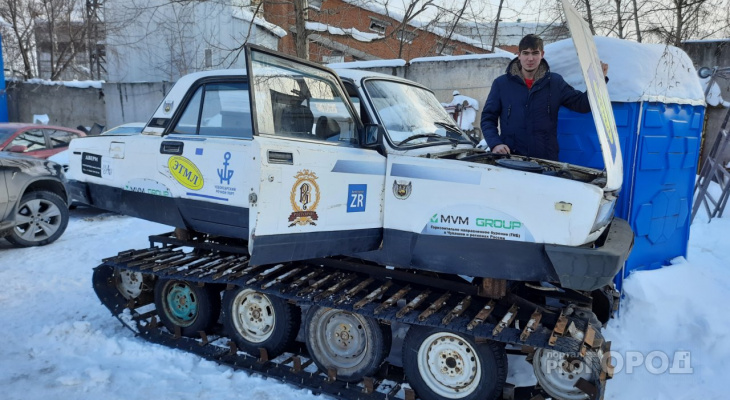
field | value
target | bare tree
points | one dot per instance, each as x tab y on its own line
20	14
677	20
636	22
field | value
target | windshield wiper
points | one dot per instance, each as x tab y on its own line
453	128
420	136
449	126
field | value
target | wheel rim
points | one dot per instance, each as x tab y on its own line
253	315
129	283
181	304
37	220
449	365
342	338
558	374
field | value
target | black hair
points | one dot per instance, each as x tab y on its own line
531	42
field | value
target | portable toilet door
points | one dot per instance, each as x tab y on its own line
659	109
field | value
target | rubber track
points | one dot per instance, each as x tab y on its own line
233	271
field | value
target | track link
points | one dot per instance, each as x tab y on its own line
334	283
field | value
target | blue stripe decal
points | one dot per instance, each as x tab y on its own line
436	174
360	167
206	196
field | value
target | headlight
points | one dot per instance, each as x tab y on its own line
605	213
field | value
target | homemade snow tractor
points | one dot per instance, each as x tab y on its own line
341	234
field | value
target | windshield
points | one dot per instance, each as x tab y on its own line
411	115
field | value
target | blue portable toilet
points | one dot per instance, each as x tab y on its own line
659	108
3	94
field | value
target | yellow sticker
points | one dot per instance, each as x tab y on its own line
185	172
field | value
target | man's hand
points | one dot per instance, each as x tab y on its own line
604	67
501	149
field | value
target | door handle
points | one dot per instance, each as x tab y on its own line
170	147
280	157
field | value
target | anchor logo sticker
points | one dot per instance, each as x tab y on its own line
225	174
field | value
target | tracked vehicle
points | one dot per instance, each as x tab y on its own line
350	214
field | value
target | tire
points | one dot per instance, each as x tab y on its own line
557	373
440	364
253	320
40	219
353	344
186	305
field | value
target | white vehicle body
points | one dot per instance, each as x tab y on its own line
277	155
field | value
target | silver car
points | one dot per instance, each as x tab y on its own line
33	200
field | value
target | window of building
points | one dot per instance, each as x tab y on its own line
447	50
405	36
316	4
334	57
378	26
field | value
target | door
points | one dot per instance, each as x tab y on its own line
208	159
320	193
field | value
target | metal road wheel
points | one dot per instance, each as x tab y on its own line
41	218
256	320
353	344
446	365
186	305
557	373
131	284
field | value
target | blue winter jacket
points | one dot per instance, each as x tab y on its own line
528	119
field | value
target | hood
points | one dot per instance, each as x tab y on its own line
598	97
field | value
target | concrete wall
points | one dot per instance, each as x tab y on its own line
65	106
133	102
712	54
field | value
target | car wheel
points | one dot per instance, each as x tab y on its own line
354	345
256	320
186	305
40	219
441	364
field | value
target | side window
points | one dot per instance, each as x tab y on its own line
60	138
33	140
188	122
300	101
218	109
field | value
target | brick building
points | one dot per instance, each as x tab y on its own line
352	30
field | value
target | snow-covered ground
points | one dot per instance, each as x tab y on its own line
58	342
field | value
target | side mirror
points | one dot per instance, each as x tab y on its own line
705	72
373	135
18	148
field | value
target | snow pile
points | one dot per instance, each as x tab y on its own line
637	71
59	342
333	30
714	93
74	84
468	114
246	15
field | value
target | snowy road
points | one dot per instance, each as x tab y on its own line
59	342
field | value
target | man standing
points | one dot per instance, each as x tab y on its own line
525	103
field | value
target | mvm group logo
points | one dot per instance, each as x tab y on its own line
185	172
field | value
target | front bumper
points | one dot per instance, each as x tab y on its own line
582	268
